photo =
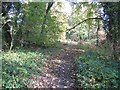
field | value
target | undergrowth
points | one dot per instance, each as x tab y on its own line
19	65
95	70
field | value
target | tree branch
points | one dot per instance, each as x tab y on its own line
82	22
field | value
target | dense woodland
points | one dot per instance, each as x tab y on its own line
86	34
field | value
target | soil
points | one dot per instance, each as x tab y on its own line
60	69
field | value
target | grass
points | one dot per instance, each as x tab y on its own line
19	65
96	70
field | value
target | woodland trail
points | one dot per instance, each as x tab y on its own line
59	71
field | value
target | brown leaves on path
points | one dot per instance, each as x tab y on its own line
59	70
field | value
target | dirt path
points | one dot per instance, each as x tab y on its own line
60	70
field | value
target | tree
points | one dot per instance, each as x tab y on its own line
112	25
84	20
50	4
10	16
42	24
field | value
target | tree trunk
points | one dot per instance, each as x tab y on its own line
50	4
12	37
114	48
97	41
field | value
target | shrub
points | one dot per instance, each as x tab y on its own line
19	66
95	71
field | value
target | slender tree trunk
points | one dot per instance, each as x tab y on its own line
115	37
114	48
97	41
50	4
11	45
43	25
12	37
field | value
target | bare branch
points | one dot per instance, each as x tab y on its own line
82	22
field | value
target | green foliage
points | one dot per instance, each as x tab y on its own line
87	29
34	19
34	15
95	71
51	34
19	66
112	26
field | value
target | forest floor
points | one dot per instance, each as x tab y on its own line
60	69
81	65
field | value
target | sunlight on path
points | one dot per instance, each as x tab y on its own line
60	70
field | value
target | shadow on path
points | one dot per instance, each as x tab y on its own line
59	71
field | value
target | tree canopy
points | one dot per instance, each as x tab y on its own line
46	23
